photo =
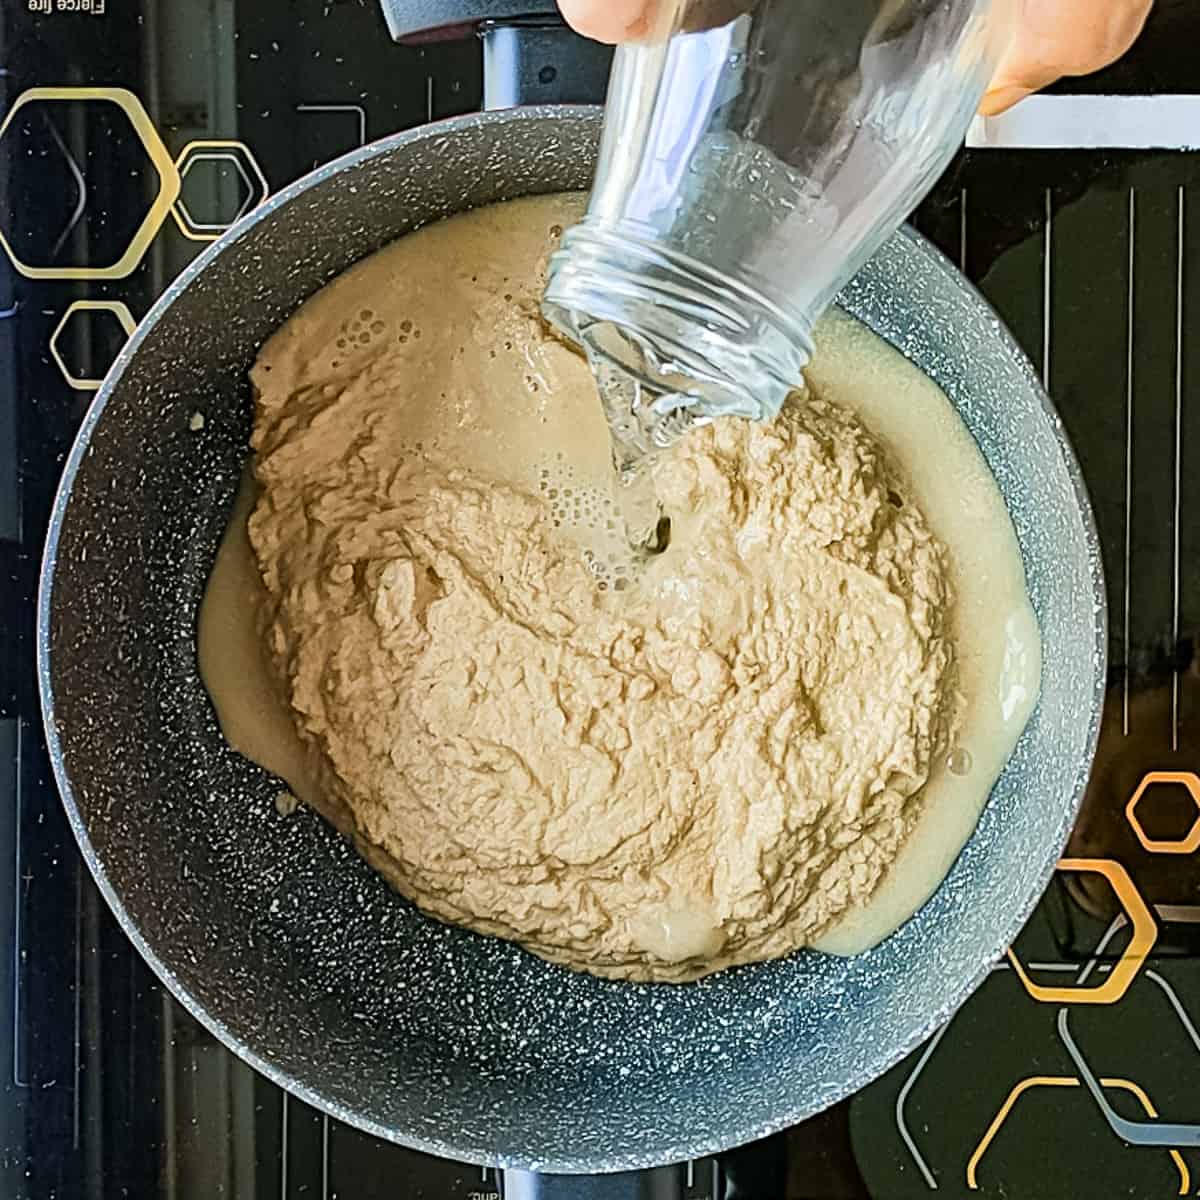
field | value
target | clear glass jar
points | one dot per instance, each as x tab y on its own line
755	154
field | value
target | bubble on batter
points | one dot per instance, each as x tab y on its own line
958	762
590	516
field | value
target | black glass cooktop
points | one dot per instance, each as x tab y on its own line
1073	1072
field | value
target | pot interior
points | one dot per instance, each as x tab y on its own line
276	935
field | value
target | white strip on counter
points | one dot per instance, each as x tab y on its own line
1092	122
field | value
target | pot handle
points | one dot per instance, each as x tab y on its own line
417	20
661	1183
540	61
529	55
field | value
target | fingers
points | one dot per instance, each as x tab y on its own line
1062	37
1053	38
609	20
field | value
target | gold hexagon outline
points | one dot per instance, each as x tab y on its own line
1035	1081
215	228
183	219
117	307
1144	933
1185	845
160	159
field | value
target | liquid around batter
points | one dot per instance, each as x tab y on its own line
779	732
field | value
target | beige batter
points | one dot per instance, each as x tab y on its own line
777	733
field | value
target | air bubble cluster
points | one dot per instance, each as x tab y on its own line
589	515
366	326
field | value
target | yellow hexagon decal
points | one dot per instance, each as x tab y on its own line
242	159
119	310
1066	1081
168	181
1190	842
1141	940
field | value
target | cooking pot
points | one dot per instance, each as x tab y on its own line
274	933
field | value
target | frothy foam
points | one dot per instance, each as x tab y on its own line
365	327
591	517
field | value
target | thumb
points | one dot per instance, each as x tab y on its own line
610	20
1062	37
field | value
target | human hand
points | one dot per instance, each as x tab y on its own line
1053	38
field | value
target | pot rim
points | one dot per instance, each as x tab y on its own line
630	1158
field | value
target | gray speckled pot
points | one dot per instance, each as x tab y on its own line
275	935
